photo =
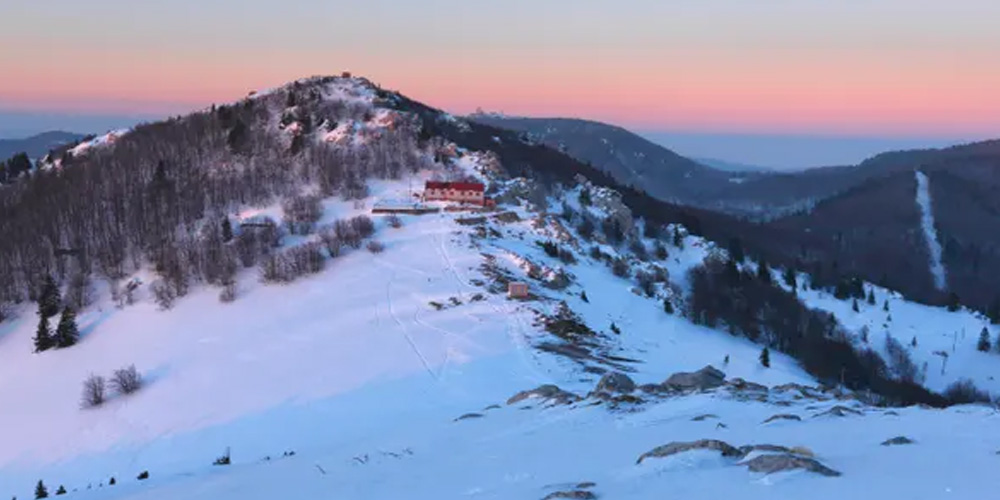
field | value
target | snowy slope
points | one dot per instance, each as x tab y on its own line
930	233
945	350
234	375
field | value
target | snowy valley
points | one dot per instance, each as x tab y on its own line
402	368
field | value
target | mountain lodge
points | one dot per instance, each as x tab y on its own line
462	192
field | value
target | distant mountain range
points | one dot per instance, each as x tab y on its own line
730	166
36	146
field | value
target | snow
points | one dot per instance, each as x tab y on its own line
362	376
930	234
99	141
935	329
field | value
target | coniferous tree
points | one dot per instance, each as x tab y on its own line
994	312
764	272
227	230
111	482
61	490
583	296
668	307
789	277
40	490
854	306
765	358
953	302
48	299
984	341
678	239
43	336
67	333
885	305
871	297
913	343
736	250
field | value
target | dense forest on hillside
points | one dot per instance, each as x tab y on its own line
165	190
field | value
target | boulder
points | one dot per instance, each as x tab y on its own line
898	440
839	411
615	383
772	448
726	449
546	392
783	416
743	385
802	390
769	464
572	494
708	377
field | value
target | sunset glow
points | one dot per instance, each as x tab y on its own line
893	67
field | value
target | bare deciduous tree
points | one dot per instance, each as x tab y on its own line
126	380
94	392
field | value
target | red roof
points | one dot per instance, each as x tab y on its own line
459	186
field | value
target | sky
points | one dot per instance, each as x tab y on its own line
850	68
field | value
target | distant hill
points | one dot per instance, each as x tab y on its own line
36	146
730	166
627	157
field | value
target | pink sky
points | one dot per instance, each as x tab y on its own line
825	71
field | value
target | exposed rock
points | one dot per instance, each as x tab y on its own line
654	389
708	377
783	416
706	416
586	484
491	407
773	448
546	392
615	383
624	399
801	390
676	447
839	411
468	416
897	441
572	494
769	464
891	413
743	385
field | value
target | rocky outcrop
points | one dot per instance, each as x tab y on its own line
708	377
839	411
548	393
771	448
800	391
769	464
783	416
572	494
898	440
773	458
743	385
726	449
615	383
701	418
468	416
